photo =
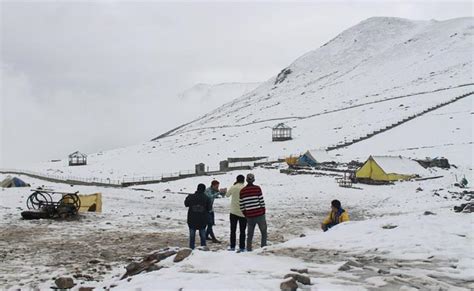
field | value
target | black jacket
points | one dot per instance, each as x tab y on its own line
199	206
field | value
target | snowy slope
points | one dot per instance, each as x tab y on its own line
368	77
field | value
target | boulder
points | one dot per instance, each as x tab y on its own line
344	267
64	283
160	255
354	264
469	208
305	280
107	255
148	263
301	271
154	267
289	285
132	266
182	254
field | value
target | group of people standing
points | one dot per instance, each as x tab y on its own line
247	210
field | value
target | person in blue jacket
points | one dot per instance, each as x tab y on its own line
212	193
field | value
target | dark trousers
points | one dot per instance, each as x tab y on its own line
192	237
262	225
210	223
326	227
234	219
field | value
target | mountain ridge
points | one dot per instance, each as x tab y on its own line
341	91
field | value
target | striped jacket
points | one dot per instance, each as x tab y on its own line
251	201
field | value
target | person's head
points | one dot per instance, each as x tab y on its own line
201	188
250	178
215	185
335	205
240	179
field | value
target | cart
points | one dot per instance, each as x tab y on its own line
45	203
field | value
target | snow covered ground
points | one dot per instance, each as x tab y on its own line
434	251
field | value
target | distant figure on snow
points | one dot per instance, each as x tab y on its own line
336	216
212	193
236	215
199	207
252	206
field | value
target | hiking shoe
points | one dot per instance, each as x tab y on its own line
208	238
241	250
231	249
216	241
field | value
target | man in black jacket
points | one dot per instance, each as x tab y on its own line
199	206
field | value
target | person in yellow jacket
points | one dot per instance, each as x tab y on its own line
336	216
236	215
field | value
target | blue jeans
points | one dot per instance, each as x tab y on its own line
192	237
210	223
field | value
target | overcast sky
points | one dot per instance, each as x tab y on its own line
92	76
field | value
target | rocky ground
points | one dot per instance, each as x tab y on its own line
392	274
89	247
97	247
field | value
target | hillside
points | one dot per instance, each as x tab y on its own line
370	76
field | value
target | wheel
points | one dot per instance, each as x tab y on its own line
38	200
69	205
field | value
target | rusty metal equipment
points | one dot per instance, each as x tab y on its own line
41	204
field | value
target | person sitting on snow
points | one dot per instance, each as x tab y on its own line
336	216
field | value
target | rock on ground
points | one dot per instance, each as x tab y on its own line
64	283
301	271
182	254
305	280
289	285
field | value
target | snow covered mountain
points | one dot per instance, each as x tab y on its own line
375	74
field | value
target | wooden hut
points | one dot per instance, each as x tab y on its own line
281	132
77	159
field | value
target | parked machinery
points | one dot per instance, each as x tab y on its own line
41	204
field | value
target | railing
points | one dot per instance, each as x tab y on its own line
400	122
124	182
65	179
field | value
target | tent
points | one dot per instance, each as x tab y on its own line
389	168
10	182
312	158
